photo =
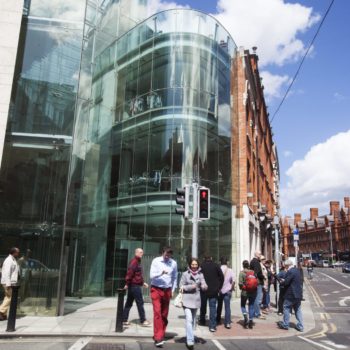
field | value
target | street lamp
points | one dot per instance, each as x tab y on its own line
329	230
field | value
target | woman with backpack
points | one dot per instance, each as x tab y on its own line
248	284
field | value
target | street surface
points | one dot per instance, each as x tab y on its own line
329	291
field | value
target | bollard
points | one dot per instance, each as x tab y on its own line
11	322
120	307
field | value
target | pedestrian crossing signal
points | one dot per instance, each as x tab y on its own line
204	203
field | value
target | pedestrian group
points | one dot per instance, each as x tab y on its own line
212	284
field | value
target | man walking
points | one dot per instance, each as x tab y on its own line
9	279
256	267
214	277
292	297
134	283
163	276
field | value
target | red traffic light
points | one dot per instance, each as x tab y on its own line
204	203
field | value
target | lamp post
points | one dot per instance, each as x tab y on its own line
277	254
329	230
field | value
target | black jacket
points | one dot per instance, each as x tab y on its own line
256	267
213	276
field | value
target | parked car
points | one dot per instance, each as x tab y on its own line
337	264
346	267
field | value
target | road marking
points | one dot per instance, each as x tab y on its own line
339	346
325	295
80	343
342	284
321	333
342	302
316	297
333	328
314	343
336	291
218	345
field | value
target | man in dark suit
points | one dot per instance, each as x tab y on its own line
292	297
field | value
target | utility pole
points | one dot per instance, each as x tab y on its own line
277	254
329	230
195	221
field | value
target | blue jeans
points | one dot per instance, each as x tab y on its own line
226	300
288	305
258	299
134	293
212	312
251	300
190	325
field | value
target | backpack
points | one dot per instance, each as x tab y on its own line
251	282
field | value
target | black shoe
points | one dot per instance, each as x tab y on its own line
3	317
159	343
189	347
245	321
201	323
282	326
250	324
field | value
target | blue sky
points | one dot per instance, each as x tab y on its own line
312	128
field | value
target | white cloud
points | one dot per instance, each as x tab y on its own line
71	10
155	6
271	25
339	97
322	176
273	84
287	153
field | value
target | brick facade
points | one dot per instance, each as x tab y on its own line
255	163
320	234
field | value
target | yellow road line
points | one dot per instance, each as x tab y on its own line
321	333
317	298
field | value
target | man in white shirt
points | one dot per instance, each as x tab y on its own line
163	276
9	278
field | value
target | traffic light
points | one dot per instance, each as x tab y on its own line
182	198
204	203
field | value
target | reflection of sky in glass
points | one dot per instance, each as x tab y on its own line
190	21
54	61
68	10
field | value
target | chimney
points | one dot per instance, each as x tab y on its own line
346	202
313	213
334	206
297	218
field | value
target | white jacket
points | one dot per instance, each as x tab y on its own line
9	272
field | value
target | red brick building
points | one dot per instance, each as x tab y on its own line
321	236
255	165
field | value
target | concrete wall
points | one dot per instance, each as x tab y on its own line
10	23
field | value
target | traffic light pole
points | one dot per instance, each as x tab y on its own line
195	221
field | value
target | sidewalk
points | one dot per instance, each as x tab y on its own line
98	319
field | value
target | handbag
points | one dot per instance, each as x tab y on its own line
178	300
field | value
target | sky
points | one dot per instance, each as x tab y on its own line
312	127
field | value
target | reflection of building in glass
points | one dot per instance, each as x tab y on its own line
121	112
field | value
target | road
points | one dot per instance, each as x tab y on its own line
330	289
329	292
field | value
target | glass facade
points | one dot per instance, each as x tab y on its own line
34	169
107	119
157	116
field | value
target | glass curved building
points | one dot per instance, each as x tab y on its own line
156	115
109	114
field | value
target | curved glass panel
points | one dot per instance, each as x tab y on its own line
159	117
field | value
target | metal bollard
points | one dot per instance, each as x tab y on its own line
11	322
120	307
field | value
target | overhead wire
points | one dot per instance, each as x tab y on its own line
302	61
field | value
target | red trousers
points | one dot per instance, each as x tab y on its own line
160	300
